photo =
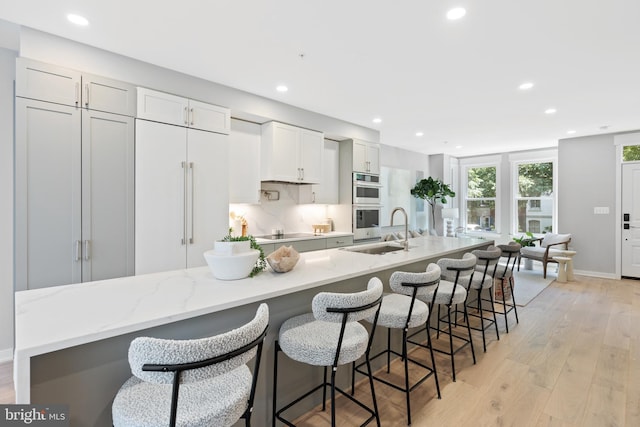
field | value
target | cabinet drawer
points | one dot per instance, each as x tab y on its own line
309	245
338	242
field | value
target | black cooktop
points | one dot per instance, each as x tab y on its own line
285	236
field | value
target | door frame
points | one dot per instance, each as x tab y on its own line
620	141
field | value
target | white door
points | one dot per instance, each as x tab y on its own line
207	193
631	220
161	173
311	152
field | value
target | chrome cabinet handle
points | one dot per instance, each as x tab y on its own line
86	250
185	116
184	202
77	93
192	203
78	249
192	116
86	94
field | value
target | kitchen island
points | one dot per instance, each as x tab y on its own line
72	341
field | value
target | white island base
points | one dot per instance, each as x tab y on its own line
72	341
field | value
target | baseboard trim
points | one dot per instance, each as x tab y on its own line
6	355
597	274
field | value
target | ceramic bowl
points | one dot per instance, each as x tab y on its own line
231	267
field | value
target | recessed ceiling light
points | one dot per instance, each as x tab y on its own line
458	146
282	88
550	111
78	20
525	86
377	120
571	132
456	13
419	133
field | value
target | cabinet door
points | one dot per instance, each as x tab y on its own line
107	196
102	94
37	80
47	194
161	173
311	153
244	162
360	156
209	117
327	192
162	107
280	153
208	193
373	157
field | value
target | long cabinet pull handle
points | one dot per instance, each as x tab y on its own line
192	200
186	116
183	241
77	93
86	94
78	249
86	250
192	116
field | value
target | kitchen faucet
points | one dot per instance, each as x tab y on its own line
406	226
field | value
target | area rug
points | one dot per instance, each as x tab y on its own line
529	284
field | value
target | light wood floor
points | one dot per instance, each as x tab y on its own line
572	361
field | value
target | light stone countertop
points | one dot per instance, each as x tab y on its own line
60	317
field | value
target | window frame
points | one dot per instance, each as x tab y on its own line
493	161
518	159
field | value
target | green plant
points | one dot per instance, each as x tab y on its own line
261	263
433	191
525	241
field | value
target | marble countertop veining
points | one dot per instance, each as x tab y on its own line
59	317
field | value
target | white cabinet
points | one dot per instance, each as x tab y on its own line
244	162
291	154
327	192
165	108
74	194
182	195
51	83
366	157
338	242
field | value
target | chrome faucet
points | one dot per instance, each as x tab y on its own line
406	226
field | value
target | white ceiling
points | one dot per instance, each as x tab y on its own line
456	81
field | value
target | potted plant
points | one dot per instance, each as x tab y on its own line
236	257
433	191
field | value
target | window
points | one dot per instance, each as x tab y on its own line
534	197
630	153
480	198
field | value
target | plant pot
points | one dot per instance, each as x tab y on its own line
528	264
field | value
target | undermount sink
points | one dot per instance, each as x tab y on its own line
375	250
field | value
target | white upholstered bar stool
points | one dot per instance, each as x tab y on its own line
483	280
504	273
452	290
329	337
402	310
200	382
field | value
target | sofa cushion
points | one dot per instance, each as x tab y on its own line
553	238
537	252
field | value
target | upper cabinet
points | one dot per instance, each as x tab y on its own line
51	83
244	162
327	191
165	108
291	154
366	157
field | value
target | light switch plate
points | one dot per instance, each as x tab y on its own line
601	210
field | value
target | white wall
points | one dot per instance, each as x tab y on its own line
7	73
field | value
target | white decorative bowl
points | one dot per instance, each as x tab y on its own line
231	267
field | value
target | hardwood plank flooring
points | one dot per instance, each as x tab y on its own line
573	360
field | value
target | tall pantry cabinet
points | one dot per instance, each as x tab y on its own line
182	184
74	162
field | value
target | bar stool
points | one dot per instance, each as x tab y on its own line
192	382
504	271
482	279
452	291
402	310
330	336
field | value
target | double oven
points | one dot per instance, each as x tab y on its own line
367	192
